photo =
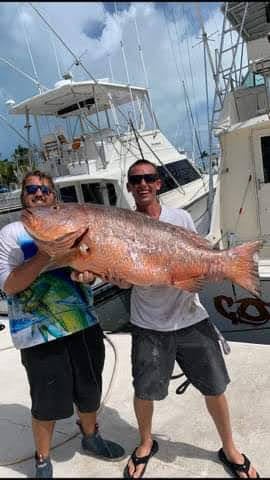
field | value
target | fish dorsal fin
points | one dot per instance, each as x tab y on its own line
193	238
197	239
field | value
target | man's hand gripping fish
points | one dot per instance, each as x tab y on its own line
140	250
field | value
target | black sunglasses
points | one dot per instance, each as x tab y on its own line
32	189
147	177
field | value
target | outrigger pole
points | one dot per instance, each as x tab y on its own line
41	88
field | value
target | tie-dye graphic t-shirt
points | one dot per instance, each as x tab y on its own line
52	306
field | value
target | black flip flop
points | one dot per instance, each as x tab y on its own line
236	468
140	460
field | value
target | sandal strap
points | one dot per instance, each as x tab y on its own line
139	460
243	467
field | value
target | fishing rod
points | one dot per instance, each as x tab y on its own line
136	137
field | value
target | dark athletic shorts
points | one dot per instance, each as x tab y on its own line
66	371
196	349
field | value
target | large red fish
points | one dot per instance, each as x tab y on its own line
140	250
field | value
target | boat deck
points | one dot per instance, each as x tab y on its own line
188	441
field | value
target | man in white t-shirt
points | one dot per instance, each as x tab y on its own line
171	325
53	324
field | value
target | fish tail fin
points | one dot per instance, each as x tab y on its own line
243	268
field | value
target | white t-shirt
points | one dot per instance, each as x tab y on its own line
52	306
167	308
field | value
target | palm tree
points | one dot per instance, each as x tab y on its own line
20	161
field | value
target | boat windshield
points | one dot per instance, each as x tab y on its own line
252	79
182	171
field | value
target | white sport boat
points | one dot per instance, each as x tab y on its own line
90	152
241	208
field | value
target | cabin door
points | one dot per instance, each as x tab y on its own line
262	164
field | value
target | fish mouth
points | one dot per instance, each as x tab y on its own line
28	221
35	227
27	217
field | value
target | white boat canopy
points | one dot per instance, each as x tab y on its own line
71	98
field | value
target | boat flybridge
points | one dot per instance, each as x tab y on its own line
243	130
90	132
241	207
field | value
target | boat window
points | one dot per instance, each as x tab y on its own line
68	194
181	170
265	144
259	79
111	193
252	80
92	193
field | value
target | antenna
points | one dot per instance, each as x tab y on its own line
110	66
144	70
56	57
127	72
217	93
29	51
192	119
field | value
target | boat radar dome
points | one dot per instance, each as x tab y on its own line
10	102
67	80
60	83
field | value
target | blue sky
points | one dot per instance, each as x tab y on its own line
169	37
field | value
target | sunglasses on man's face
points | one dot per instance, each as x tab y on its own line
147	177
32	189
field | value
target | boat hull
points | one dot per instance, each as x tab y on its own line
240	316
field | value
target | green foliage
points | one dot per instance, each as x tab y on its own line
16	166
7	174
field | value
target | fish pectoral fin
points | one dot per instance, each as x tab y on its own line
190	284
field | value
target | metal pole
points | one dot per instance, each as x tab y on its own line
103	158
28	126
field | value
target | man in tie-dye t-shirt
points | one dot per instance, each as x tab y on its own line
53	323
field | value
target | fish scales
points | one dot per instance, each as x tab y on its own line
141	250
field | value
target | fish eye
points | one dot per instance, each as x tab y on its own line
56	207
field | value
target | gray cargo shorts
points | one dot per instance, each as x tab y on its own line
197	351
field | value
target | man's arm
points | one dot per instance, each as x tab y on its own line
117	281
24	275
